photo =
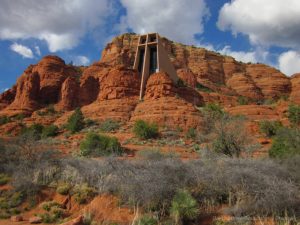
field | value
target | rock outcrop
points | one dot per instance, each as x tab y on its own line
295	94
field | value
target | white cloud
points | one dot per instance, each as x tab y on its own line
60	23
289	62
81	60
37	50
258	55
267	22
22	50
175	19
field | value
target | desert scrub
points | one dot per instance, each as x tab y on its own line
183	206
49	131
75	122
294	114
47	206
191	133
100	145
144	130
84	193
4	179
147	220
270	128
32	132
4	120
109	125
63	188
286	143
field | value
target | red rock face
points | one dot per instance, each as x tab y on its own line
119	83
163	105
69	92
255	81
295	95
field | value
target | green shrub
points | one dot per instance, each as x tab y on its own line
16	199
286	143
183	206
20	116
34	131
109	125
50	131
214	110
191	133
242	100
145	130
83	194
4	179
75	122
270	128
4	120
147	220
63	189
294	114
201	87
230	136
49	205
100	145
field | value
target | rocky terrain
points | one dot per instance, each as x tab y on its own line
108	90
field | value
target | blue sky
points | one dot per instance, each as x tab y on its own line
250	30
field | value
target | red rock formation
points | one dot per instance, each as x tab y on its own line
188	77
69	92
164	106
7	97
119	83
295	94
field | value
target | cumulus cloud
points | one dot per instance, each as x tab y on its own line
81	60
37	50
22	50
258	55
267	22
175	19
289	62
60	23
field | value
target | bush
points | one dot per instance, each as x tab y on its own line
183	206
147	220
286	143
230	136
242	100
294	114
191	133
201	87
83	194
4	179
32	132
4	120
50	131
76	121
109	125
100	145
47	206
63	189
270	128
145	130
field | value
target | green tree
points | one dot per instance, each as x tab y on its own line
100	145
183	206
294	114
50	131
286	143
76	121
145	130
270	128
